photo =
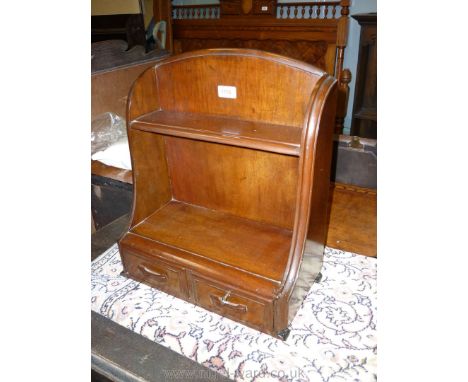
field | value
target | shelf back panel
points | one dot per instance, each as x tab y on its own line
266	90
253	184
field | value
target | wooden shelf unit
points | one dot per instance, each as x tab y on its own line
226	190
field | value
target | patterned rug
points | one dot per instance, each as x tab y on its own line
333	336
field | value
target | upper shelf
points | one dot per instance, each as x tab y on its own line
256	135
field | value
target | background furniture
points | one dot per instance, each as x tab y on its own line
314	32
162	10
227	168
364	122
353	219
114	69
118	20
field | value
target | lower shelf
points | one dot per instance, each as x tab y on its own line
248	245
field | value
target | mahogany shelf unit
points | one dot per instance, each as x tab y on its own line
231	154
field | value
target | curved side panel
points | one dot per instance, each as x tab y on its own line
151	185
312	201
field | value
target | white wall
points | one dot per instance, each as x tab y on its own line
352	50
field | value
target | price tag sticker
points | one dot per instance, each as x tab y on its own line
227	91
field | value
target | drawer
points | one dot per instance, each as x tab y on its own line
222	301
156	273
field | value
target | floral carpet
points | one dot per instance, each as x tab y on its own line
333	336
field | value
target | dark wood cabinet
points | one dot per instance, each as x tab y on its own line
364	123
231	152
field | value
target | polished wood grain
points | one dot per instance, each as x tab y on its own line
218	299
321	52
263	86
352	222
232	278
312	31
312	191
151	183
221	203
353	219
204	232
237	181
230	131
159	274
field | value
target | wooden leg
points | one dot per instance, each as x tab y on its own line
318	278
284	334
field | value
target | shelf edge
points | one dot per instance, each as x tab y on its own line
231	140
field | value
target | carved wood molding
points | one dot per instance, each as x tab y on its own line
262	8
312	52
286	29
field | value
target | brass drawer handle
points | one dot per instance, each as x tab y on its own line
159	276
223	302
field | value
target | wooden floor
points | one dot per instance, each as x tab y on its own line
353	219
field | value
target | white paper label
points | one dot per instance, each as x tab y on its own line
227	91
264	8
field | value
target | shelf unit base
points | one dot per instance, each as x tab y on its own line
257	248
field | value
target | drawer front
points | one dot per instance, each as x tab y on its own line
155	273
229	304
